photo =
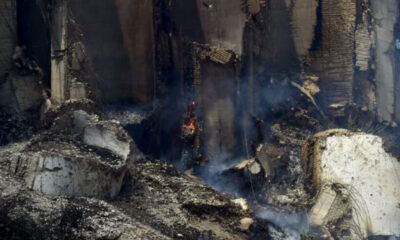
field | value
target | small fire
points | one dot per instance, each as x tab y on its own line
190	127
189	124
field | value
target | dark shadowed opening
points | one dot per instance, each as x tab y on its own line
34	34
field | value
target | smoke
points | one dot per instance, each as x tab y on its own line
292	224
213	173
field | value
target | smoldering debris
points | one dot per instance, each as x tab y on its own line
293	225
216	128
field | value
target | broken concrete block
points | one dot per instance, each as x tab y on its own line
358	163
109	135
61	168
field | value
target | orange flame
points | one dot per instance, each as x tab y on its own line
190	120
190	126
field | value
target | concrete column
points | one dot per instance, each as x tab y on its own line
58	35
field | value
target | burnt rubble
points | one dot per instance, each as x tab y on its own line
203	120
55	171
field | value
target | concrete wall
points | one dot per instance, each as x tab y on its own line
118	36
304	20
104	45
217	104
385	13
222	23
136	18
8	34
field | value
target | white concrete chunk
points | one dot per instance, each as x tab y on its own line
370	175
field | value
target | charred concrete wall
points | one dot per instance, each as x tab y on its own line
364	87
103	39
8	34
218	23
303	21
217	84
211	34
334	58
136	19
33	33
119	39
222	23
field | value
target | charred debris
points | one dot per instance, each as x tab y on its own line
217	119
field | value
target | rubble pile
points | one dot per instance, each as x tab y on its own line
26	214
61	172
184	208
280	119
15	128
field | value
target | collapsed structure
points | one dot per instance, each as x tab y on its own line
229	90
